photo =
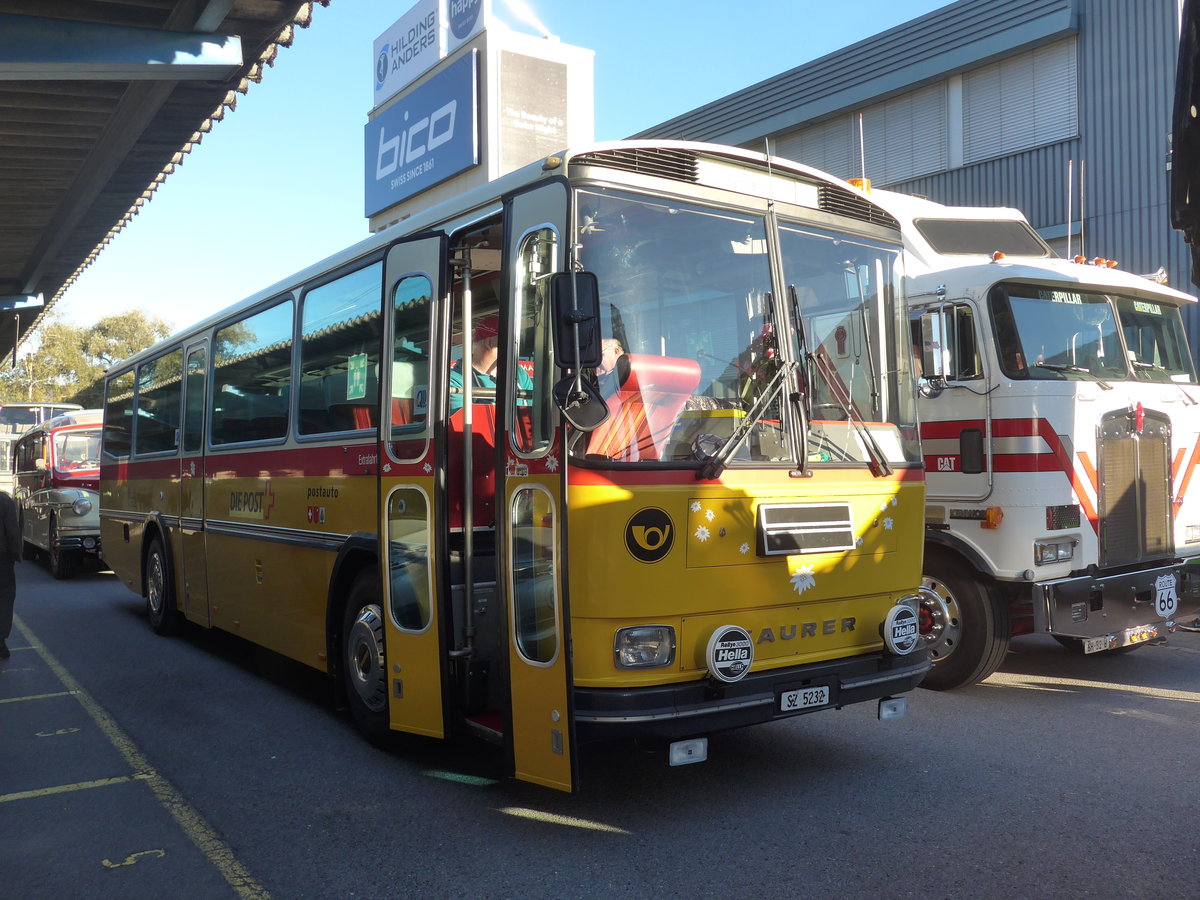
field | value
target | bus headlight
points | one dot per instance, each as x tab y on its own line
644	647
82	506
1047	552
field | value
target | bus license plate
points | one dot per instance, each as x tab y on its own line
804	698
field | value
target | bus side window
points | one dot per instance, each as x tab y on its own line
340	333
159	401
118	416
252	362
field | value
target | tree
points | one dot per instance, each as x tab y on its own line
69	363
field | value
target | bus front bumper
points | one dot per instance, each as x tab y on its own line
677	711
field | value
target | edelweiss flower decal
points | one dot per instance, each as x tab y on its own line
709	515
744	549
551	463
702	534
695	507
803	579
887	523
428	468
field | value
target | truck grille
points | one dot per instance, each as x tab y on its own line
1135	489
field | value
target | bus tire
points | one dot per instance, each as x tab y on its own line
62	562
160	591
363	658
978	628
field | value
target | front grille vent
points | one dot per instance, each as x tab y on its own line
841	202
679	165
1135	488
786	528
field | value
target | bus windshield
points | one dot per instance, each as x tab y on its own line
695	337
77	451
1053	334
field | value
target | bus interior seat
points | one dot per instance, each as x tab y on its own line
651	392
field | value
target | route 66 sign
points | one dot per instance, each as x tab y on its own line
1166	601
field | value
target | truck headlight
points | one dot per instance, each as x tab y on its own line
82	506
644	647
1047	552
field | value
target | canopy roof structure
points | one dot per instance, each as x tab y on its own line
99	102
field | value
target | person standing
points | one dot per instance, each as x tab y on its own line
10	554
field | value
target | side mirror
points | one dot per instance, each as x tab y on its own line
576	300
575	297
933	361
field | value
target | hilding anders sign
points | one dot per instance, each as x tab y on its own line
428	32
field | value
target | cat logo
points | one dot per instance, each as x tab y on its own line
649	535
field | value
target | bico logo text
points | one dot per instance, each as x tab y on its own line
422	137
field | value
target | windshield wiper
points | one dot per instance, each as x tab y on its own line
715	464
876	459
1075	370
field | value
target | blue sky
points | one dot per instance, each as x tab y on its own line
278	184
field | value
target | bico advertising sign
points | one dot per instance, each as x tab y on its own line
429	136
428	32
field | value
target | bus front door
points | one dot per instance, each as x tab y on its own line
415	621
530	468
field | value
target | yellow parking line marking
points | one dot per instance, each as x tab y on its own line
557	819
201	833
67	788
36	696
1045	682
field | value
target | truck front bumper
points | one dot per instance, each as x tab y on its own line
1095	606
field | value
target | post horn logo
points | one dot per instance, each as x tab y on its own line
649	534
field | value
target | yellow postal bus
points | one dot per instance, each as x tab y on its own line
621	445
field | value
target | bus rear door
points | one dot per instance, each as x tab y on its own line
415	623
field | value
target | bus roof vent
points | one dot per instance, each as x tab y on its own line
841	202
663	163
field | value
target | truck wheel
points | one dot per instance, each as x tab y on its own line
62	562
160	591
973	620
364	661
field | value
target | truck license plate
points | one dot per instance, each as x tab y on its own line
804	698
1137	635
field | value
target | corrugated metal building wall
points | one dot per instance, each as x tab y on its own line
1124	58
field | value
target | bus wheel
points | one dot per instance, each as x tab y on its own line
160	591
62	562
364	663
974	622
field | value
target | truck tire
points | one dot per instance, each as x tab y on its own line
976	630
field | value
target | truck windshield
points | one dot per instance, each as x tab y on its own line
1051	333
694	335
1155	341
